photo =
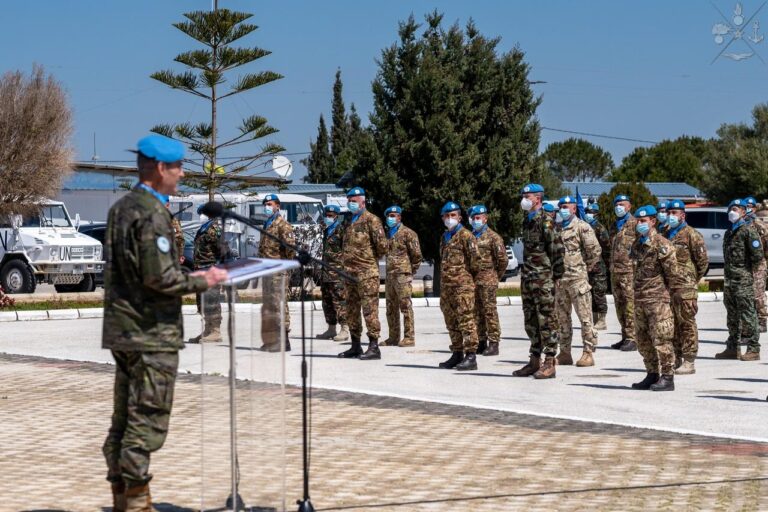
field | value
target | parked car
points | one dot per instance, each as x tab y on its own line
712	222
96	230
513	266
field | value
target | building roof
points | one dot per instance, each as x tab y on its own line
662	190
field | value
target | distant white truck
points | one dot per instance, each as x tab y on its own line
46	248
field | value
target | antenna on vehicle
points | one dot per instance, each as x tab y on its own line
95	156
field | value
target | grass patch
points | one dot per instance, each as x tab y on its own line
54	304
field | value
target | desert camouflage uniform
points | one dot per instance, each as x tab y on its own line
270	309
598	278
620	269
209	249
178	237
492	263
458	268
760	270
542	266
331	286
655	263
582	252
143	286
403	260
692	263
364	244
742	253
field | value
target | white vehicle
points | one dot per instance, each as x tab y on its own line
46	248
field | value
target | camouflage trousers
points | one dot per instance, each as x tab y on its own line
575	295
486	314
334	297
741	317
143	396
270	308
398	292
210	306
686	339
759	276
458	306
624	299
599	283
363	296
655	330
540	316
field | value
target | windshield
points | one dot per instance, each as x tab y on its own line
303	213
51	216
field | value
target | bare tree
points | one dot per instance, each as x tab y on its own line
35	139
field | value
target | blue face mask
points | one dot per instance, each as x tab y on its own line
620	211
268	210
661	216
391	221
329	221
673	221
565	213
643	228
589	217
353	207
477	224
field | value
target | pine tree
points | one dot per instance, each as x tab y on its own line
339	127
319	163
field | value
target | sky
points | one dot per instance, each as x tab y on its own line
637	70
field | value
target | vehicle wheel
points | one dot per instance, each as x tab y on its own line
17	277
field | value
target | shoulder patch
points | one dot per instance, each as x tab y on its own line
163	244
663	249
755	243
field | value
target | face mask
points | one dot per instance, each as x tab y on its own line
329	221
673	221
353	207
451	223
268	210
589	217
620	211
203	218
749	210
526	204
733	216
558	219
565	213
643	228
391	221
478	224
661	216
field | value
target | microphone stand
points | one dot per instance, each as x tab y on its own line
304	259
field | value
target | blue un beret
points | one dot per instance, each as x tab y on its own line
676	204
270	197
566	200
751	201
332	208
621	197
741	203
663	205
450	206
393	209
646	211
162	149
532	188
477	209
592	207
548	207
355	191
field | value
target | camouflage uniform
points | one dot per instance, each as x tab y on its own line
654	261
742	253
178	237
364	244
582	252
759	272
622	237
542	266
270	309
692	263
143	286
331	286
403	260
209	249
458	268
598	277
492	263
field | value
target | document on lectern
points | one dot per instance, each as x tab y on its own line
251	268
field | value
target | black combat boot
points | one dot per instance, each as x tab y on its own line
355	351
469	363
647	382
618	344
481	346
665	383
454	360
492	350
373	351
629	346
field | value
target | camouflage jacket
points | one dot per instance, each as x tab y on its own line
332	252
143	282
178	236
582	250
692	260
742	253
654	263
621	241
209	248
762	230
604	239
269	248
491	256
364	244
403	252
458	259
543	251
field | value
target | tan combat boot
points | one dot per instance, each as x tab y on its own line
328	334
343	334
547	370
407	342
212	336
750	355
687	368
586	358
564	358
600	322
118	497
137	499
529	369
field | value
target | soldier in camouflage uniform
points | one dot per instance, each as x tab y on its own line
692	263
331	286
582	254
403	260
458	268
492	263
364	244
654	265
760	270
143	286
542	269
661	218
277	226
623	234
742	252
598	277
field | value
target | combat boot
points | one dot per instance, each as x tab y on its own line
729	353
645	384
118	497
453	361
373	351
665	383
629	346
750	355
586	358
600	322
530	368
407	342
195	339
564	358
687	368
389	342
137	499
469	363
547	370
481	346
343	334
492	350
618	344
329	333
355	351
763	324
212	336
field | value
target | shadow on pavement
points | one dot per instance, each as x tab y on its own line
511	362
481	374
743	379
316	355
417	366
633	370
712	342
714	329
733	398
604	386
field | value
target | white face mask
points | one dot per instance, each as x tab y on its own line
451	223
526	204
203	218
734	216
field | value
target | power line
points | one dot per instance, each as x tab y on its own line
599	135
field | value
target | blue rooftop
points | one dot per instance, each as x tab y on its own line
659	189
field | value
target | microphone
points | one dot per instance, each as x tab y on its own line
212	210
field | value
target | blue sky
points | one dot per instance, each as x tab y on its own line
629	69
